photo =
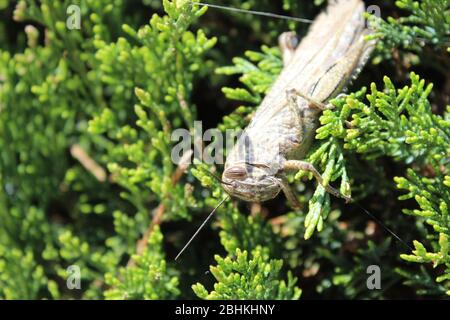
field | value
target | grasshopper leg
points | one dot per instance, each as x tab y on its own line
289	193
306	166
291	96
288	42
317	104
314	103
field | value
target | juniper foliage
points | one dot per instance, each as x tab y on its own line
87	177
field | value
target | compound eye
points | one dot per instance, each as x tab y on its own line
235	173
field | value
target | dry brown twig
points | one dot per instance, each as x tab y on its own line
88	163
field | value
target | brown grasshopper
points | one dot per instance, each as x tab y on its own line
283	127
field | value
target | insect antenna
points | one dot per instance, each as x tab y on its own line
201	227
271	15
367	212
218	179
383	225
254	12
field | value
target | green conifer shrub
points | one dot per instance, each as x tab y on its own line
86	118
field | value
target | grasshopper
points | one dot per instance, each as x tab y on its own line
281	131
283	127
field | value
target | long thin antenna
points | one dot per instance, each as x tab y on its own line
271	15
259	13
384	226
201	227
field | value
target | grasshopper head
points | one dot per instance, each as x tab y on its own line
251	182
